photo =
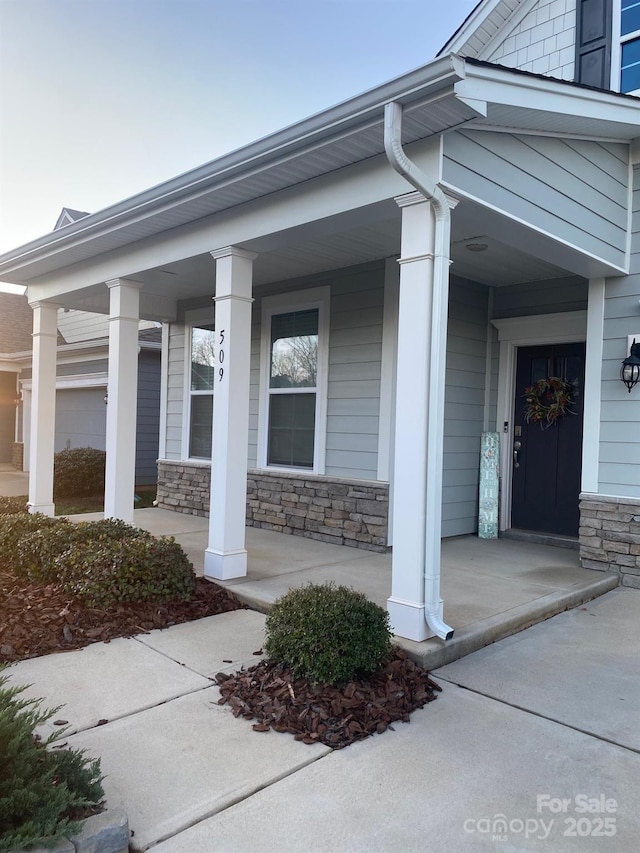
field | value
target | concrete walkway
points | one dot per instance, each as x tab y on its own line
526	735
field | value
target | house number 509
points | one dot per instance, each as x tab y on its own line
221	356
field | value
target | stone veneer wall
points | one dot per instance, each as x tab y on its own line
330	509
610	536
17	455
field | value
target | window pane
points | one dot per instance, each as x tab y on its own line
200	431
292	421
202	358
294	349
630	80
630	16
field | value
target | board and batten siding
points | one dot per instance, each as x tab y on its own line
619	469
576	190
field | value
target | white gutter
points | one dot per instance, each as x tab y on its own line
435	432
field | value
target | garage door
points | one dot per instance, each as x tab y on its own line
80	418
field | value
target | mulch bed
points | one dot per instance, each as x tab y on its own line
322	713
37	619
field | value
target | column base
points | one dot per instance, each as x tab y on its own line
407	620
45	509
125	514
224	567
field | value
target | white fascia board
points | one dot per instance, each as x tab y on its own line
528	92
422	82
8	364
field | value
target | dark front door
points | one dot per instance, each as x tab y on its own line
547	454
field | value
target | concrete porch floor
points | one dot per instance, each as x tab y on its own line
491	589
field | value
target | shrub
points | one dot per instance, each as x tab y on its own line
126	570
14	528
39	789
11	506
328	634
78	473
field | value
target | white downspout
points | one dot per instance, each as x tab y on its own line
435	441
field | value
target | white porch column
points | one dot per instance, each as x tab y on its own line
43	407
122	397
226	556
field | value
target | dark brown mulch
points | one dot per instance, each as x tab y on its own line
37	619
322	713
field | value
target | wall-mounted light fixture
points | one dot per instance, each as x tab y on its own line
106	398
630	369
18	400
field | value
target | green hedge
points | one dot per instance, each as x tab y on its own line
102	562
328	634
78	473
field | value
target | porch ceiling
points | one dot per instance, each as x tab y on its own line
313	250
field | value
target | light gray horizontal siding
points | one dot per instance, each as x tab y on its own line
355	354
80	368
464	405
540	297
557	195
175	391
619	469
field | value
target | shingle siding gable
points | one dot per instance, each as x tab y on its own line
542	42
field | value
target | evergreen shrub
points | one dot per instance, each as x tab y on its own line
328	634
10	506
41	790
78	472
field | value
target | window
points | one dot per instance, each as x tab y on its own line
201	391
630	46
294	368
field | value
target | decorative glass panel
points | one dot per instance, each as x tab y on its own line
201	422
294	350
292	420
630	80
630	21
202	358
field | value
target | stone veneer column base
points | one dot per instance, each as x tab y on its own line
610	536
329	509
17	455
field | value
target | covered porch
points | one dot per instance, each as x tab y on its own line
327	219
491	588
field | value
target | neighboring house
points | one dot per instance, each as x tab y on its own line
389	278
16	321
80	412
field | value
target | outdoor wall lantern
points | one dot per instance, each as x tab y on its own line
630	370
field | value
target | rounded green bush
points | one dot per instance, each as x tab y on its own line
328	634
78	473
105	570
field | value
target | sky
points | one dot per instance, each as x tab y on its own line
101	99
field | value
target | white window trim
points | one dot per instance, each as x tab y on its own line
304	300
197	317
617	40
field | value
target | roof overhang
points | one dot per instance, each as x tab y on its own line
446	94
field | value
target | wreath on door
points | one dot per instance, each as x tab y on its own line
548	400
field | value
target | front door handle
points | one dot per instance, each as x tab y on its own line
516	447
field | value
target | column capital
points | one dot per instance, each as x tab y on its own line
41	303
124	282
415	197
233	251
